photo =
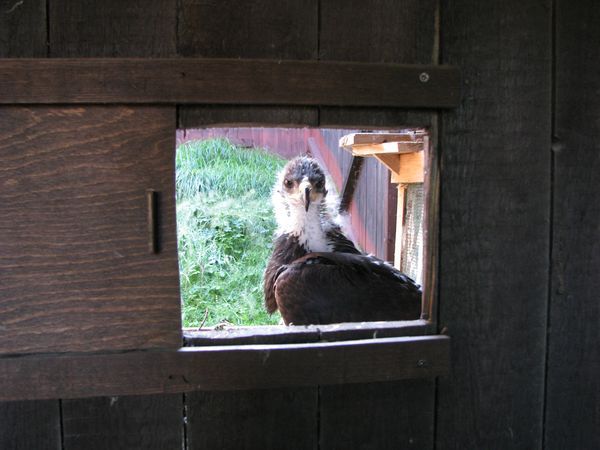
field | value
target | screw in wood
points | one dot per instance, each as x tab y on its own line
424	77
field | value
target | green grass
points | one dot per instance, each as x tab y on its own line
225	226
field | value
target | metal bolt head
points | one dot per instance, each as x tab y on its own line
424	77
421	363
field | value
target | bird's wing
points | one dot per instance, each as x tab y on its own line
286	249
340	287
340	242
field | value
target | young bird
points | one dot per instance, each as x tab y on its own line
316	274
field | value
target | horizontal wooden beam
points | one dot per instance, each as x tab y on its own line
226	81
222	368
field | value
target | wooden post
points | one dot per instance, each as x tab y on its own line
399	224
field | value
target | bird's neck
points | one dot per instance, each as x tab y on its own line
306	226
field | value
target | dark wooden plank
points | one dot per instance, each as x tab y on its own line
495	212
112	28
278	29
75	270
225	81
144	422
30	425
573	384
374	118
225	115
265	419
22	29
377	31
380	420
261	29
222	368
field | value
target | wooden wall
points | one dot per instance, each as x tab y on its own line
520	242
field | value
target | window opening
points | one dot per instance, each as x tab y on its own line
226	223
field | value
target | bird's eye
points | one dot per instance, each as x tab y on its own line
288	183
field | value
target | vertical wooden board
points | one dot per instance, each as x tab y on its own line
22	29
573	380
107	423
76	273
377	31
265	419
285	29
495	209
260	29
112	28
375	416
30	425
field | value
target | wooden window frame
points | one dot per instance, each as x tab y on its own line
334	354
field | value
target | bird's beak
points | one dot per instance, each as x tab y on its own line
306	198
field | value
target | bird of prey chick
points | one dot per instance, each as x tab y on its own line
315	274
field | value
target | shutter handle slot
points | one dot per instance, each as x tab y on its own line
152	219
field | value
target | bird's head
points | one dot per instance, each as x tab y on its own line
301	183
300	187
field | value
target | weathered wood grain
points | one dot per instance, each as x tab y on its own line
112	28
278	29
201	116
495	212
265	419
376	416
75	270
260	29
224	81
377	31
22	29
222	368
573	381
30	425
107	423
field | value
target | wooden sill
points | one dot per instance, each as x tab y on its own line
223	367
280	334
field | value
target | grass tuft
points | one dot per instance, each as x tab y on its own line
225	226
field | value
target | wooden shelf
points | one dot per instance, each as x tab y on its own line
402	153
